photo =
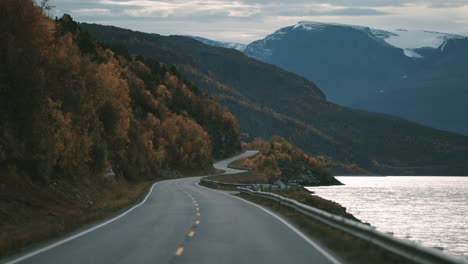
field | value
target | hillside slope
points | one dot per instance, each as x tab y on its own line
85	129
421	72
279	160
221	44
268	101
347	62
435	94
90	108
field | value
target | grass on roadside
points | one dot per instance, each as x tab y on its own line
250	177
39	214
308	198
31	213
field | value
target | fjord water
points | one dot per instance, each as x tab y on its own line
432	211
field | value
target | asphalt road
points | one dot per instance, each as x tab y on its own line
224	164
182	222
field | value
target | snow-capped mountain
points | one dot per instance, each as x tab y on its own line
221	44
415	74
407	40
331	55
412	40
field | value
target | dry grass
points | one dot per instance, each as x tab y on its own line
30	214
346	247
308	198
237	165
250	177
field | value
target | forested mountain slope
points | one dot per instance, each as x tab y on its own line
74	112
70	106
268	100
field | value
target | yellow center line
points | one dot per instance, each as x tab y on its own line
191	234
198	209
197	222
179	251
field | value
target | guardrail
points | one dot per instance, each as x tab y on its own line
403	248
256	187
208	181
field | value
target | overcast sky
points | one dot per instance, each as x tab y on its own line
246	20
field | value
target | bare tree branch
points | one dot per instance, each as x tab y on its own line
46	7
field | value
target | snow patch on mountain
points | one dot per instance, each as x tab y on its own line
237	46
221	44
411	40
278	35
412	54
407	40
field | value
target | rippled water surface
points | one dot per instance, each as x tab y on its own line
432	211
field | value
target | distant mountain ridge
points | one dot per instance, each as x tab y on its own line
407	40
412	74
398	72
268	100
345	61
220	44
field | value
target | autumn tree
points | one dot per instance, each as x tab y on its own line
71	108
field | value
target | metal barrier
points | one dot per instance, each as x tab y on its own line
208	181
401	247
256	187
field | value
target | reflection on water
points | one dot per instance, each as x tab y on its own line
432	211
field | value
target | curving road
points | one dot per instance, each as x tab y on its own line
224	164
182	222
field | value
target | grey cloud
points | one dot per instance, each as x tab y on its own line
449	4
336	12
369	3
357	12
254	19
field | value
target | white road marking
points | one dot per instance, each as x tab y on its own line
63	241
179	251
294	229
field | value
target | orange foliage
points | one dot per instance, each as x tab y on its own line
71	108
275	151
